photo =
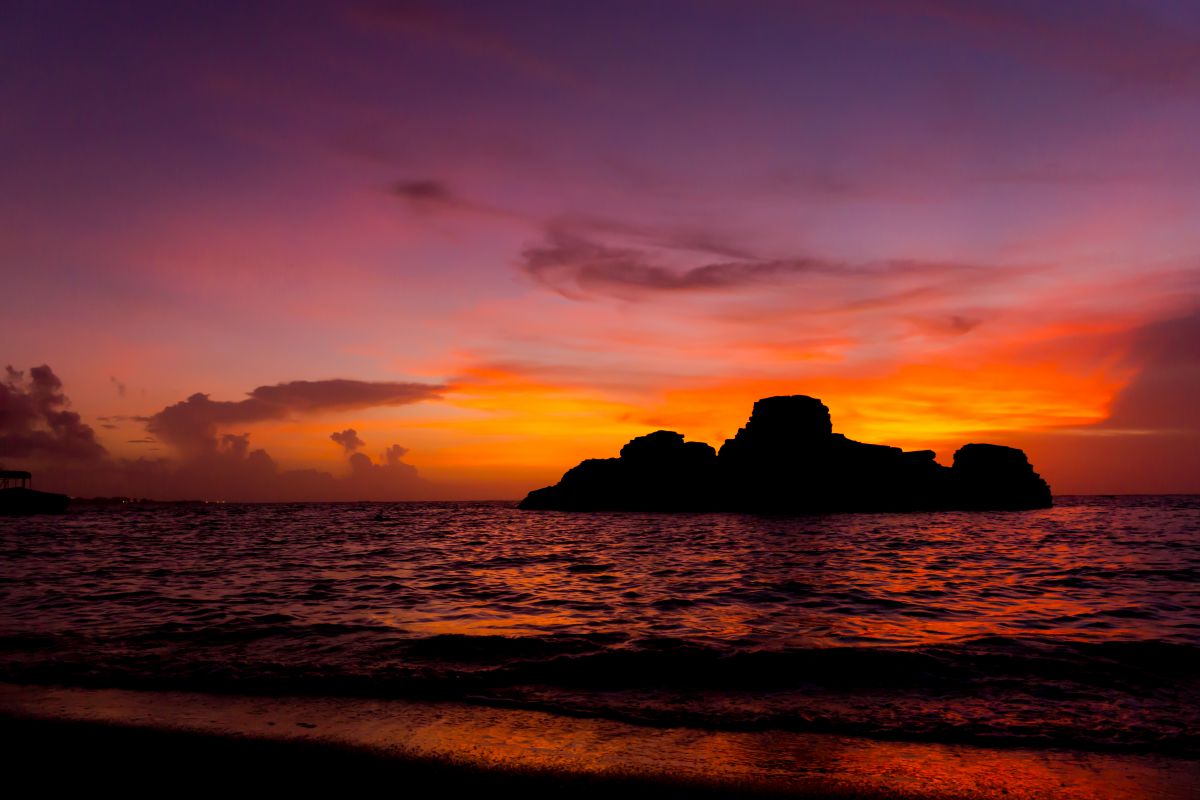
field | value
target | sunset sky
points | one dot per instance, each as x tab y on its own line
493	239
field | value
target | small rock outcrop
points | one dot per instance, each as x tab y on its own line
993	476
787	458
655	472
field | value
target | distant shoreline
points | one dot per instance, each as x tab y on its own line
104	502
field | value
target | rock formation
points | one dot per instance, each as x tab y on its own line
787	458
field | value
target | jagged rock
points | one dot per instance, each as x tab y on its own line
787	458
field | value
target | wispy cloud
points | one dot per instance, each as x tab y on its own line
582	269
429	195
426	194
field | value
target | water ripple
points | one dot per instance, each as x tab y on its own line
1078	624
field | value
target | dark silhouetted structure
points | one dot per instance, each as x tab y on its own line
17	498
787	458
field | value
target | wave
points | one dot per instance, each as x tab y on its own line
1084	619
614	659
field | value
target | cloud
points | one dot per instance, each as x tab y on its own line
1162	396
434	196
670	237
579	268
211	464
191	425
235	444
946	325
348	439
422	190
369	475
429	195
425	195
343	395
35	422
225	466
1150	441
235	471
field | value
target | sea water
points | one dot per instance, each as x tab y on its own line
1072	627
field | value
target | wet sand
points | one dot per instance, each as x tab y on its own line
149	741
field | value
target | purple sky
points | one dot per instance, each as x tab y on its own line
571	223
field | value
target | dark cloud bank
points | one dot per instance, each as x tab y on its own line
35	422
1151	440
37	431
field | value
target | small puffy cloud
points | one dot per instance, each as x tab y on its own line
373	479
394	453
347	439
424	194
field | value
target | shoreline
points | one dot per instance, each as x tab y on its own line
444	746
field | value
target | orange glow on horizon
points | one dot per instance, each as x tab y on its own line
508	428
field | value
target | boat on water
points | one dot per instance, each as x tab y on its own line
16	496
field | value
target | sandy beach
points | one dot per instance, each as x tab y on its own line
141	741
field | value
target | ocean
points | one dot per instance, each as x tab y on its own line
1073	627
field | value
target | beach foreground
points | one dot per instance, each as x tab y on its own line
146	741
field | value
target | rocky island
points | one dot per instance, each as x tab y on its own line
787	458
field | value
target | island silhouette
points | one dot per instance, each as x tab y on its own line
788	459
